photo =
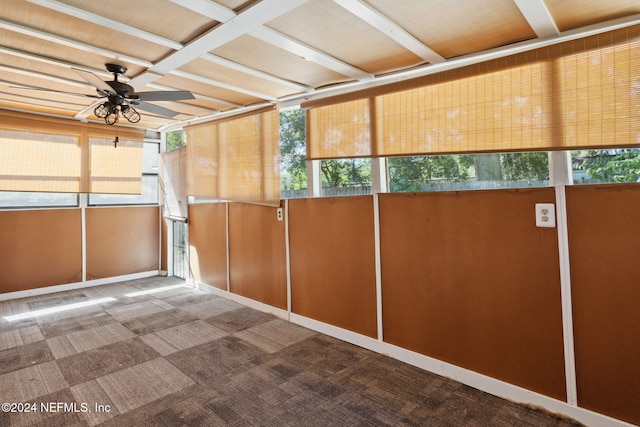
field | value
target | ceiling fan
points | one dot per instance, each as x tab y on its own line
120	97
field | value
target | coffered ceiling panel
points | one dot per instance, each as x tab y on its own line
342	35
570	14
278	61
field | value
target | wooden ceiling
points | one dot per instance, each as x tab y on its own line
235	55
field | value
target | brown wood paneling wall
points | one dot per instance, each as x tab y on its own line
604	244
257	255
468	278
333	261
208	244
122	240
40	248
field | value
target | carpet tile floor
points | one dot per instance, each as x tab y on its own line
184	357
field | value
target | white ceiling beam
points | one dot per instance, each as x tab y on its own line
220	13
45	76
72	43
252	17
107	23
56	62
310	54
538	17
59	105
392	30
211	82
207	8
256	73
465	60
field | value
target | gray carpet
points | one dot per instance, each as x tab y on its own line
183	357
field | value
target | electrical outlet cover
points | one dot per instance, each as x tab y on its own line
545	215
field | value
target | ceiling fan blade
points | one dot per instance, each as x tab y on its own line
164	95
55	91
155	109
102	86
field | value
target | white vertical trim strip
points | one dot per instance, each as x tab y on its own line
379	175
83	201
376	236
314	178
227	246
170	250
565	293
83	232
287	251
160	219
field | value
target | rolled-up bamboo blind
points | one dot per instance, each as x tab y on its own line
236	159
340	130
56	155
574	95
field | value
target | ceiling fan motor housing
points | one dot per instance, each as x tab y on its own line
122	89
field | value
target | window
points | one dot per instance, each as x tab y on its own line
179	252
468	171
293	150
345	177
606	166
18	199
150	154
176	139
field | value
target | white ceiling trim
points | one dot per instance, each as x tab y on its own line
72	43
59	98
390	29
60	105
539	17
256	73
56	62
252	17
45	76
207	8
279	40
211	82
216	116
310	54
106	22
465	60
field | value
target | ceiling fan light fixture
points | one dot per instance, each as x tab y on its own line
130	113
112	117
103	110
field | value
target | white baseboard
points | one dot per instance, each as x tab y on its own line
481	382
78	285
473	379
266	308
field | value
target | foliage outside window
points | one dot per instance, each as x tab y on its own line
176	139
293	150
606	166
346	177
468	171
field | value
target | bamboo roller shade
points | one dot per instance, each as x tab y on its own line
56	155
574	95
236	159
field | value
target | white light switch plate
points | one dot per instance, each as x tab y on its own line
545	215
